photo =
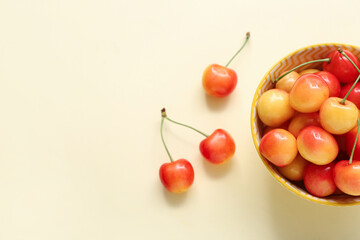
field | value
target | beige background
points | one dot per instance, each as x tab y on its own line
82	83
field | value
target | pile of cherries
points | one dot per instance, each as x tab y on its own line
311	125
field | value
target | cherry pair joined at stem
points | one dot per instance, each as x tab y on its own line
217	148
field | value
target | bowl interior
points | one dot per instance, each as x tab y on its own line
300	56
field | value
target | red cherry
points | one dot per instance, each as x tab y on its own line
350	141
341	67
354	95
318	179
218	148
219	81
332	82
341	140
339	62
177	176
347	177
347	173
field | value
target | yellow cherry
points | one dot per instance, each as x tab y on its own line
295	170
310	70
287	82
337	117
273	107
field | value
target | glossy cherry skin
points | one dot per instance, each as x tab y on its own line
279	147
295	170
347	177
308	93
273	107
317	145
302	120
287	82
338	118
349	143
218	148
354	95
177	176
219	81
309	70
318	179
341	67
332	82
341	140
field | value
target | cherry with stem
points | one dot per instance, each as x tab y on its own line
346	173
219	81
217	148
299	66
176	176
338	116
164	116
162	138
243	45
337	64
357	79
356	139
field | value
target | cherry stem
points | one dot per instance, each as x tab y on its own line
164	116
357	79
162	138
357	136
247	38
348	93
299	66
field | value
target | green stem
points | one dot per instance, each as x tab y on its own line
247	38
357	136
348	93
299	66
345	55
357	79
162	139
163	112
